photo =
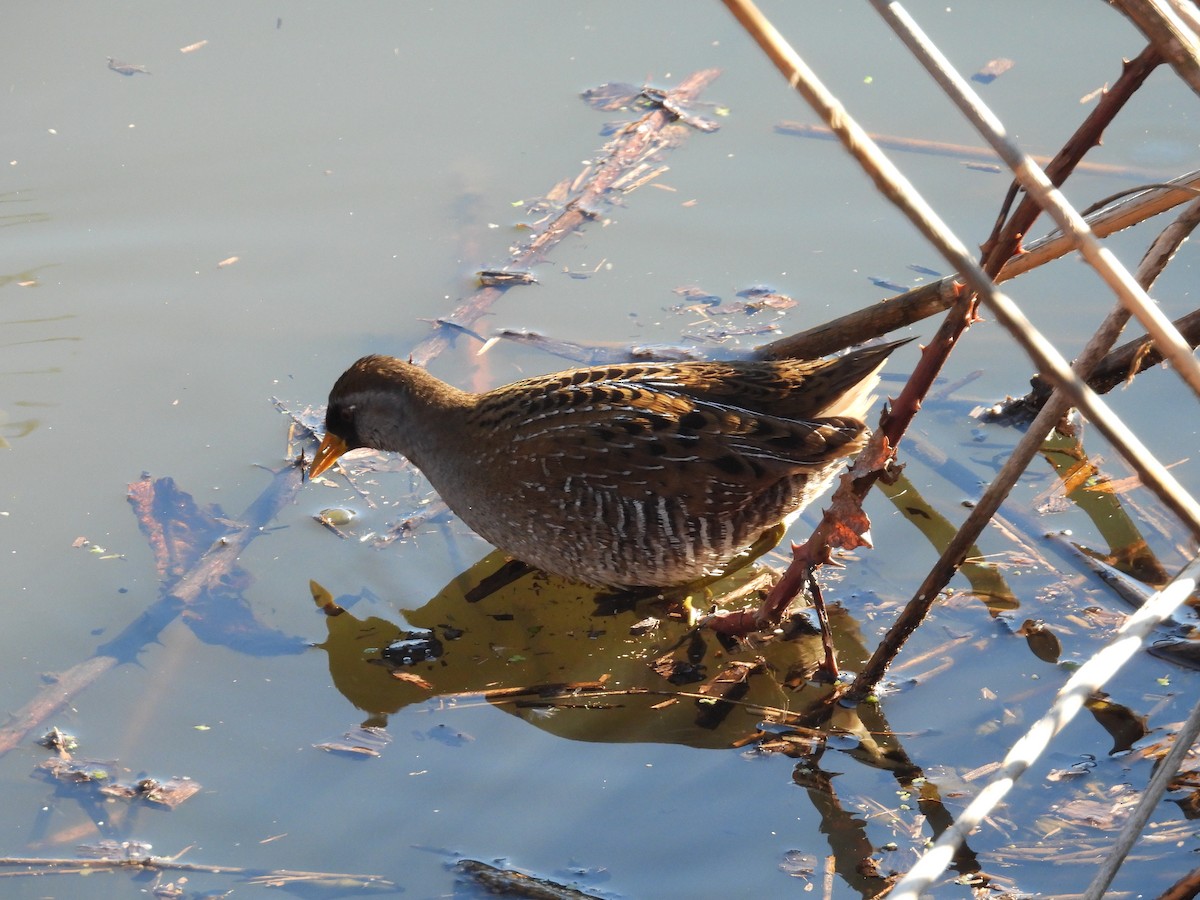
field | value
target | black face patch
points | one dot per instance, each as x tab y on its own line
339	420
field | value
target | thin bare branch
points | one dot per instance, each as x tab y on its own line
930	299
1115	275
897	189
1047	357
1018	461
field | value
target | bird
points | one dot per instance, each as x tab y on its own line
623	477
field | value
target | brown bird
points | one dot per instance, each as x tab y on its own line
639	475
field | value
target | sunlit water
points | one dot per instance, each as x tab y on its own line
361	163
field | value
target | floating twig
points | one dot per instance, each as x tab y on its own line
41	865
637	142
517	884
956	151
206	572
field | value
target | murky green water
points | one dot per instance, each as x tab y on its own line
361	163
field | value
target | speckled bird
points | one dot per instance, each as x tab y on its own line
625	476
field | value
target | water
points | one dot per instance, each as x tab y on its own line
362	163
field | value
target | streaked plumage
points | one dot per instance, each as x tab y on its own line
653	474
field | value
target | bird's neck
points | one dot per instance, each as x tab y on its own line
434	412
432	395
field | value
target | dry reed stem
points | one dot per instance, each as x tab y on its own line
895	187
929	299
989	504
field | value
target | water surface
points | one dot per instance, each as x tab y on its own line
361	163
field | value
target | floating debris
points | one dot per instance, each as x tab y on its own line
717	335
993	70
798	864
669	101
678	671
95	549
124	68
365	741
518	884
109	849
754	300
498	277
695	296
765	298
192	48
170	793
78	771
1080	769
611	96
55	739
336	517
645	626
925	270
639	176
887	285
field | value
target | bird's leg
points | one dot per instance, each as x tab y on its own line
798	573
770	613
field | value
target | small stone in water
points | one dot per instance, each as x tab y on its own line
336	516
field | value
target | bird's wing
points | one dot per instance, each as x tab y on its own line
638	442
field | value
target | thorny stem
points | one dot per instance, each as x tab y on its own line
1003	245
987	506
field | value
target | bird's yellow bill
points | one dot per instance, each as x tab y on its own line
327	454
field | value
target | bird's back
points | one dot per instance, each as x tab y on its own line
655	474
